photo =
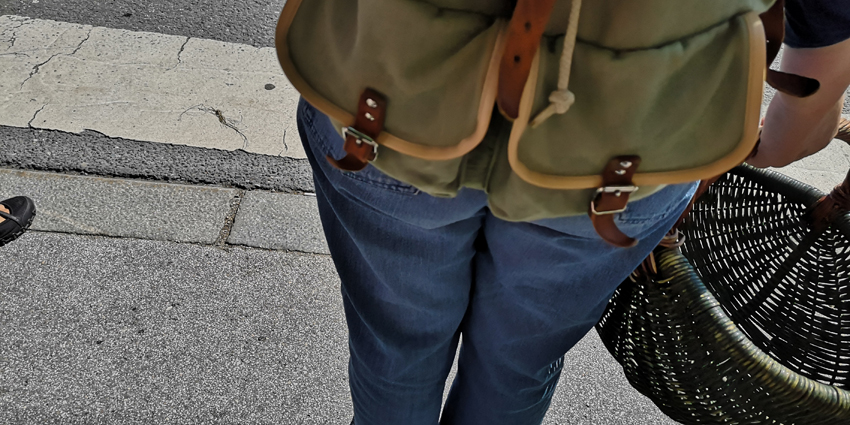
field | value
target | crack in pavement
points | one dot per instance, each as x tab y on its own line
14	38
37	67
29	124
221	119
228	123
179	53
70	78
285	146
80	46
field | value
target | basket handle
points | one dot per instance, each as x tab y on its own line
822	212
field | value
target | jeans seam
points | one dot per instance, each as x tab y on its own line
403	189
655	217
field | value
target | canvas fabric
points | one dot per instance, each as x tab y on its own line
668	80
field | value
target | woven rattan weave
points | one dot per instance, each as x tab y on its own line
750	322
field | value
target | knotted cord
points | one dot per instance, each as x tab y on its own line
562	99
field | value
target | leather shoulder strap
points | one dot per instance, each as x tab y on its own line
524	32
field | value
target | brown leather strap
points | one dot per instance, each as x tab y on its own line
613	198
791	84
360	139
774	30
524	32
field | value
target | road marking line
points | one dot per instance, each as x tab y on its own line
145	86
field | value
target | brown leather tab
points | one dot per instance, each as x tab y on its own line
774	30
524	32
360	139
613	198
792	84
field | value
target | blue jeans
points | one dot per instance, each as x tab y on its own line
419	271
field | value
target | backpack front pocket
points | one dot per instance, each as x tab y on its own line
437	68
689	109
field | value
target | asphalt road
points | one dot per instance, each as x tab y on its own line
93	153
119	331
244	21
101	330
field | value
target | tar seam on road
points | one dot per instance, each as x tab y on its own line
228	221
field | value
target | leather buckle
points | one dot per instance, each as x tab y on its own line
368	125
616	191
360	138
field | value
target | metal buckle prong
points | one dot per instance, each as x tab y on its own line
621	189
360	138
616	190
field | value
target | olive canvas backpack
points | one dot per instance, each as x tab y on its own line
553	107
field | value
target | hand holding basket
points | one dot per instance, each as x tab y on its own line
749	321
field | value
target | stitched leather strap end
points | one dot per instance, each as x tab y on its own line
360	145
612	199
607	229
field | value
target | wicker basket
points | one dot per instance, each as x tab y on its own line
749	322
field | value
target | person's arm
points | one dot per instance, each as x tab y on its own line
795	128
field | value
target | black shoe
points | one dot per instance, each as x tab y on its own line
17	220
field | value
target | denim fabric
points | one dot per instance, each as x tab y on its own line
418	272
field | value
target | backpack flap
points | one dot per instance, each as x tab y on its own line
437	68
675	83
689	109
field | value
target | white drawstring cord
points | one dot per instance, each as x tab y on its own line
561	99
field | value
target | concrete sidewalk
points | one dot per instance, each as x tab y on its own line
133	301
145	86
169	212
